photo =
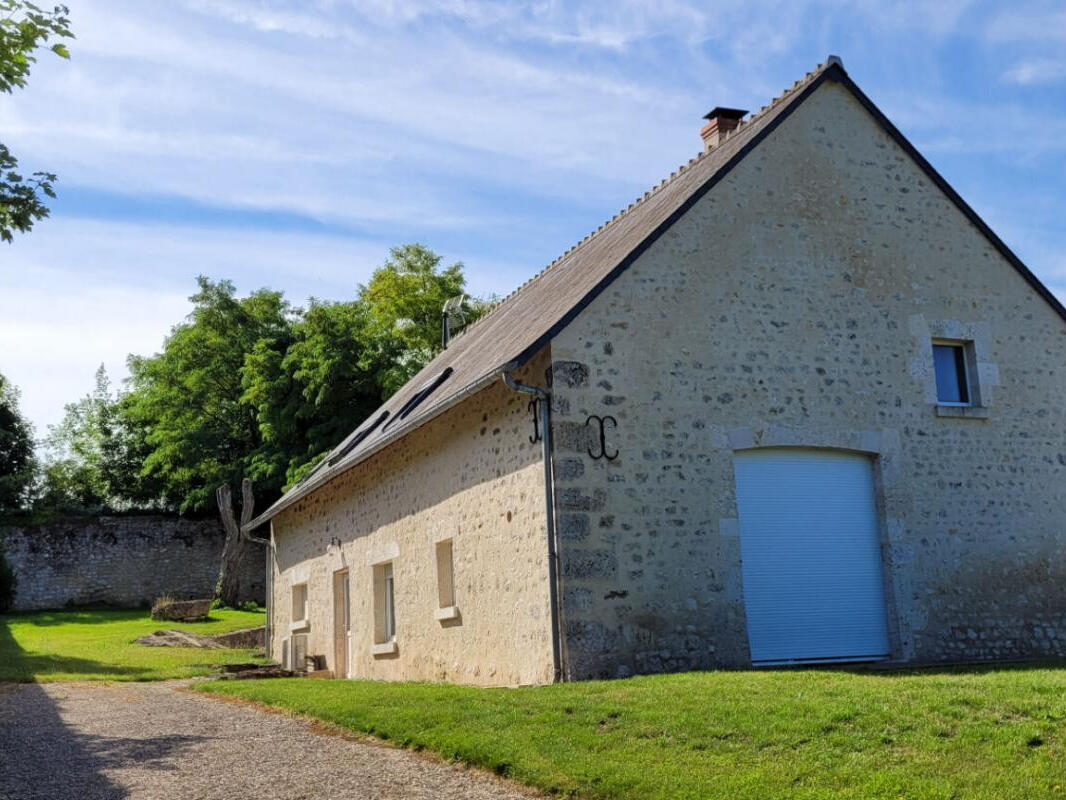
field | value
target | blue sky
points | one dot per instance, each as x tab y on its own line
289	144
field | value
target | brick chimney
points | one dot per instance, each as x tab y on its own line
721	122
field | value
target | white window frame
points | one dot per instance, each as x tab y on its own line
968	376
301	623
384	605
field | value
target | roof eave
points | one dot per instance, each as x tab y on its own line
297	493
830	70
952	195
833	70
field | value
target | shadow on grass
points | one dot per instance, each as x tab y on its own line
94	616
18	666
982	668
81	616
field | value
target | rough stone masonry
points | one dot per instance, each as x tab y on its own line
125	562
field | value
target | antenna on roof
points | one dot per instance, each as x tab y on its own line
452	318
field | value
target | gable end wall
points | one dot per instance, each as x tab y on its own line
794	305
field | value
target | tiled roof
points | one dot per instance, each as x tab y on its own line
521	324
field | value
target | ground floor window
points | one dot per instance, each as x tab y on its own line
299	603
445	575
384	604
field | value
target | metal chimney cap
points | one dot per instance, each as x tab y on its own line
721	112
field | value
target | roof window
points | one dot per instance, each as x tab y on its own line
359	437
416	399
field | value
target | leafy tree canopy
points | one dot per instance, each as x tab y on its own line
250	387
405	297
92	459
309	397
16	450
188	397
25	27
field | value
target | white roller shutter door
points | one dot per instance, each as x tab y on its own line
811	561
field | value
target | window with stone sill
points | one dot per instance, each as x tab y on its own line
299	603
446	608
384	604
955	371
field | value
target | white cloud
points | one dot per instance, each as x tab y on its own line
1036	71
77	293
360	112
1024	25
95	253
54	333
942	124
473	122
357	131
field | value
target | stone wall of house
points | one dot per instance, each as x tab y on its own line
120	561
471	475
795	305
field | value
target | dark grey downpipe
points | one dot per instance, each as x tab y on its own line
549	507
269	544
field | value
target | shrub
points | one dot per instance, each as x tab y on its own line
7	585
247	605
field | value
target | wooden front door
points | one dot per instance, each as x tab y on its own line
342	623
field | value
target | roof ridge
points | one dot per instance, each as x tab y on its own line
717	158
654	190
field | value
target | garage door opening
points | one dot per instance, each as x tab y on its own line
811	559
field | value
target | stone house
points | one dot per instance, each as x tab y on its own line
796	404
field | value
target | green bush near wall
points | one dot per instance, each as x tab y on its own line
7	583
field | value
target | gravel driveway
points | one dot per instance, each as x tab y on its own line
93	741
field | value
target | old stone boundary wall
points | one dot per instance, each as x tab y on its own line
121	561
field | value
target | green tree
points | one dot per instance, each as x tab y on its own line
405	297
17	463
314	394
345	359
188	398
93	458
252	387
72	468
24	27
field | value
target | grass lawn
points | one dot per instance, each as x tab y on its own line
979	733
99	645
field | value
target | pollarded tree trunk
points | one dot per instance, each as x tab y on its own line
228	589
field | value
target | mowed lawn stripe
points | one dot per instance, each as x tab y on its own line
101	645
979	733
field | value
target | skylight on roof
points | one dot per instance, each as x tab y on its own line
416	399
359	437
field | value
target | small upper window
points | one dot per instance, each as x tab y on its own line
952	374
